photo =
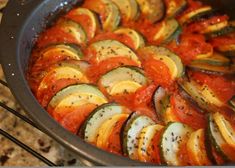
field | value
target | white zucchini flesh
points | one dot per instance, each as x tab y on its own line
97	118
226	129
111	48
196	148
75	89
145	139
174	135
132	133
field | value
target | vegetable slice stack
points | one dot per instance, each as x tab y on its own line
139	78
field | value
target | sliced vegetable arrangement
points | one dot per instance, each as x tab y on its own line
152	80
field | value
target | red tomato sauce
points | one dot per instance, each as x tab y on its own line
55	35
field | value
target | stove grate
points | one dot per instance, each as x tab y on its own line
15	140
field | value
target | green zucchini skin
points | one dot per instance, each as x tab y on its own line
74	28
154	10
215	60
131	134
227	30
177	10
76	88
161	101
232	103
214	137
101	113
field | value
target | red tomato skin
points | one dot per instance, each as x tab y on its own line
186	113
191	45
158	72
98	69
114	144
153	151
75	117
45	95
143	96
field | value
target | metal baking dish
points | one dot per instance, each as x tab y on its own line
22	21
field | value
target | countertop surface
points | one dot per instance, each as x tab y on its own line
13	155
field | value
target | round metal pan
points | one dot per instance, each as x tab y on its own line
21	23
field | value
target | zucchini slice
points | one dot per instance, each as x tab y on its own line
232	103
216	138
108	11
169	31
175	7
63	71
106	129
163	54
136	38
225	128
203	96
132	132
227	49
111	48
146	136
67	50
173	137
79	99
195	14
76	90
128	8
216	59
196	149
212	69
90	128
91	25
161	101
126	79
154	10
215	28
73	28
224	31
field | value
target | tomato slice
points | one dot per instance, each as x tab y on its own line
112	36
191	45
143	96
44	95
124	99
96	70
114	140
55	35
83	20
74	117
153	151
186	113
158	72
221	86
183	154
